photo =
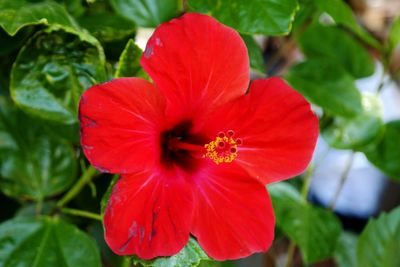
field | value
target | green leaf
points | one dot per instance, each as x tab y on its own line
45	242
107	26
255	54
345	253
338	47
109	258
379	243
9	43
314	230
52	70
129	62
327	86
218	264
147	13
386	154
112	30
343	15
268	17
33	165
107	194
394	35
359	131
31	210
191	255
305	13
17	14
74	7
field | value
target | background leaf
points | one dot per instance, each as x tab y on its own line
52	71
314	230
147	13
394	35
386	154
110	28
107	26
326	85
358	131
129	62
255	54
107	194
33	164
342	15
190	255
17	14
345	253
379	243
268	17
45	242
346	53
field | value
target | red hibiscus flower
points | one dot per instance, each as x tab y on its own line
193	149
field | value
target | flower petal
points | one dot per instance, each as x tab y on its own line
234	216
149	214
198	64
120	125
278	129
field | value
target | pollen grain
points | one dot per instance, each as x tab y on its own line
224	148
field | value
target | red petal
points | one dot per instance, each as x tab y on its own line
120	125
198	63
149	215
234	216
278	129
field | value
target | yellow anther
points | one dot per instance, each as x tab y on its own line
223	148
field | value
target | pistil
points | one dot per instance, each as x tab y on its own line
176	144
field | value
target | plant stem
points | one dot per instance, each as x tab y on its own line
304	193
381	81
307	182
81	213
39	207
126	262
86	177
290	254
342	181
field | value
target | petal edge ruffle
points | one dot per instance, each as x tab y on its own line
120	125
149	215
198	64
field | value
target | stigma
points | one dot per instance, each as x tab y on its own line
224	148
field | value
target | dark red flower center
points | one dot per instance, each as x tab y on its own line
180	147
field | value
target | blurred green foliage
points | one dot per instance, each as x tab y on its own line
51	51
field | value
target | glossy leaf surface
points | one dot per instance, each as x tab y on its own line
17	14
268	17
326	85
45	242
33	164
379	243
129	62
147	13
190	255
52	70
314	230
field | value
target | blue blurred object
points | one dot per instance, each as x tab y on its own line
366	190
